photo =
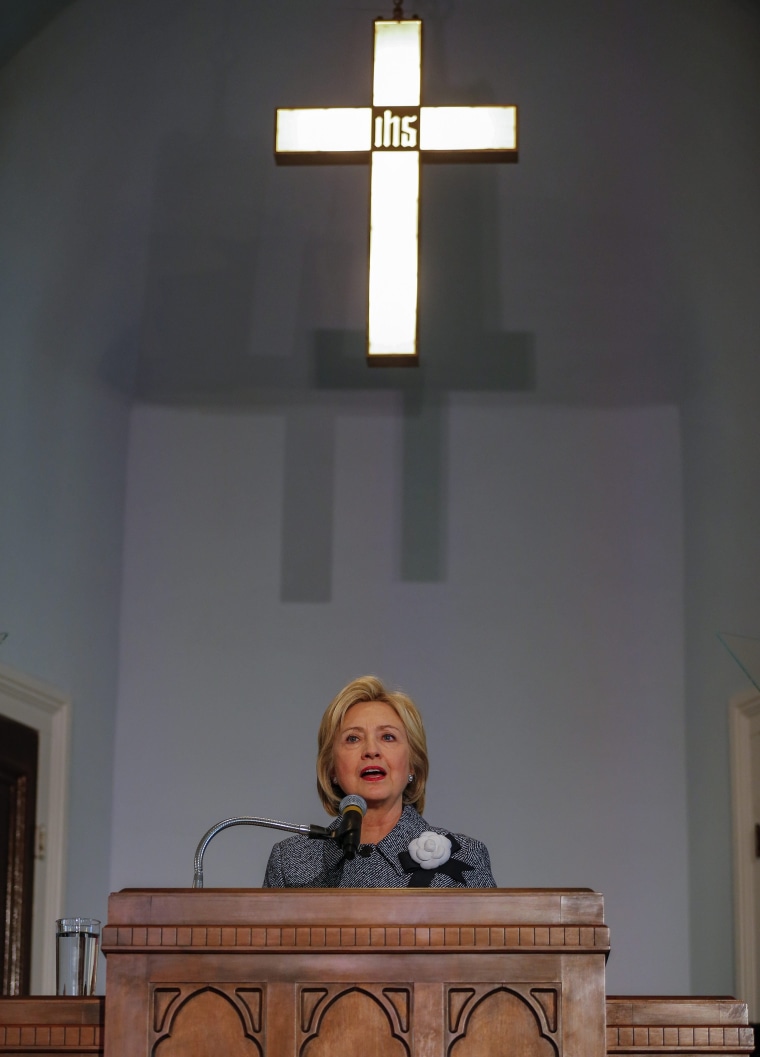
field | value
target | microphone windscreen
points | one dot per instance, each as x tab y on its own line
352	800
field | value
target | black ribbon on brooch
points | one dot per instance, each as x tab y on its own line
422	878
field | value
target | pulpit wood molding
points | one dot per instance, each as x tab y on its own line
67	1026
658	1026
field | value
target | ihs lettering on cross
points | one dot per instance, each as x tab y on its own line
394	134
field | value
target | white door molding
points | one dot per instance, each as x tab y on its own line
744	714
48	711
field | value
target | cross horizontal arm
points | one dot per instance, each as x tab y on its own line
323	131
468	128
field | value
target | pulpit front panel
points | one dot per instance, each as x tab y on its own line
442	985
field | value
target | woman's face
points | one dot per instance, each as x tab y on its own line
371	754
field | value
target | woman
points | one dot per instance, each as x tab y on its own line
372	744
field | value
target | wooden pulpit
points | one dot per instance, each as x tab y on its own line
355	973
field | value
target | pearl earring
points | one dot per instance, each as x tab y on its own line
410	778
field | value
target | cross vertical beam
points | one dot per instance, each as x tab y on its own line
395	192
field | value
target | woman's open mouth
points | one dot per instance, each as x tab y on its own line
372	774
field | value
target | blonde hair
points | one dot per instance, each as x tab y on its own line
369	688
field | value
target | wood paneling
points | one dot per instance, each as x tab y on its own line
425	973
69	1026
642	1027
651	1026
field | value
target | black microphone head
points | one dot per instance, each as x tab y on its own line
348	833
353	800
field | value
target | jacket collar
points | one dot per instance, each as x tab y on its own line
410	825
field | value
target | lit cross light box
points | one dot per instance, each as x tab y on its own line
393	135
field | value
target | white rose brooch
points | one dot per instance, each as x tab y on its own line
431	853
430	850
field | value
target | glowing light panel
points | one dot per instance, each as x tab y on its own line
468	128
393	253
395	133
334	129
398	63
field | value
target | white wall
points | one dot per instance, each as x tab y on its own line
715	230
547	662
67	302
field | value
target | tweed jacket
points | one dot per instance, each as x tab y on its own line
300	862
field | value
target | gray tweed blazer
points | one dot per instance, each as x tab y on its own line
299	862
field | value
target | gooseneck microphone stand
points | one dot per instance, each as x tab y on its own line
315	832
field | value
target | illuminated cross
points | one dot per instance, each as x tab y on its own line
393	134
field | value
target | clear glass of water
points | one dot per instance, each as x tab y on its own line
77	945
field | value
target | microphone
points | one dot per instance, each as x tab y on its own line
349	832
315	832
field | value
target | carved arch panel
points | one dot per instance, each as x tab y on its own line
339	1021
207	1021
525	1018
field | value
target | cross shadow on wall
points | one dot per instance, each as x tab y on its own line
195	347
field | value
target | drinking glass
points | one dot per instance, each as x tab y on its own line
77	942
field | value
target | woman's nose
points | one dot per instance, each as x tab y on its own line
370	749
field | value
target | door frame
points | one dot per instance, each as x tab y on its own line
742	710
48	711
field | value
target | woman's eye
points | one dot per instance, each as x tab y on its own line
351	737
389	737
